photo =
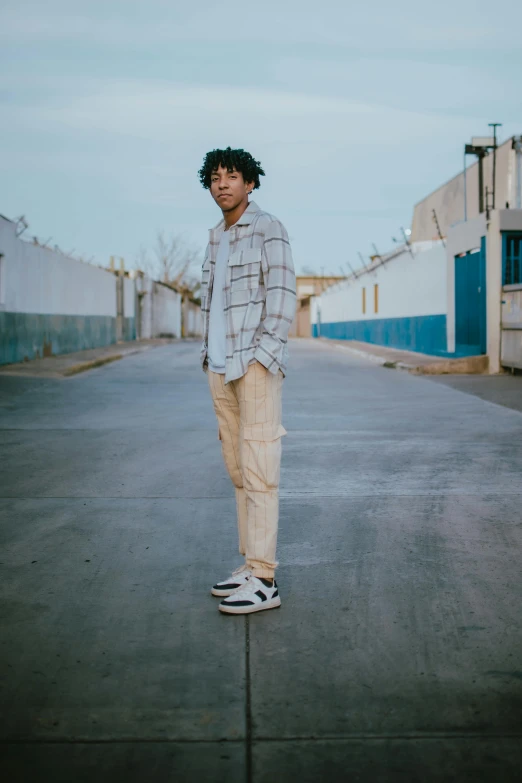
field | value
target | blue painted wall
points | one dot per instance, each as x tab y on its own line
129	329
423	333
28	336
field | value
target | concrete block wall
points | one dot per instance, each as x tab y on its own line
50	303
160	309
405	303
193	320
166	311
129	309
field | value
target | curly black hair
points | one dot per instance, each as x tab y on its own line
230	159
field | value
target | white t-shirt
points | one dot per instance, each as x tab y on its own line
217	325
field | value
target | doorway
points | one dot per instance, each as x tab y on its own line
470	302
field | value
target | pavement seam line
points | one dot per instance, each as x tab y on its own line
312	738
248	704
283	497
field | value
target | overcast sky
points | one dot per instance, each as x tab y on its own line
355	110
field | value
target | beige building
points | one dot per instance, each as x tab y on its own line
483	255
308	286
458	200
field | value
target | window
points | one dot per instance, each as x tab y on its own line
512	252
376	298
364	300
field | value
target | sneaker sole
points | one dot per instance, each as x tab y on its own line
223	593
273	604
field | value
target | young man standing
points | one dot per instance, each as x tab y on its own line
248	301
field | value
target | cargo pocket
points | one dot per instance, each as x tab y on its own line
263	431
261	456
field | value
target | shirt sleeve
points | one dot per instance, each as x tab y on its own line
279	276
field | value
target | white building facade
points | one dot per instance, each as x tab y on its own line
454	295
51	303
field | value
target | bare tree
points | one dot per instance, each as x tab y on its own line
171	261
143	262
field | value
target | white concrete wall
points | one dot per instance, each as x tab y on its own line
166	315
144	320
129	297
194	321
493	291
38	280
407	287
160	309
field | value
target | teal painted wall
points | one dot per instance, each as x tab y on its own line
423	334
129	329
470	302
30	335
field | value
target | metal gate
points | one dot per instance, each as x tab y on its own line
511	347
470	302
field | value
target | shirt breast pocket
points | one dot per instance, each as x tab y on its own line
245	269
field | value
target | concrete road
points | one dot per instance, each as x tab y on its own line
505	389
397	653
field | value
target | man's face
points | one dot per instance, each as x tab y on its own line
229	189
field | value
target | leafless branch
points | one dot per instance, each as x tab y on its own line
171	261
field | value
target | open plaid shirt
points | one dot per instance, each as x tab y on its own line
260	293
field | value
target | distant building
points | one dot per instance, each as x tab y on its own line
51	303
454	288
308	286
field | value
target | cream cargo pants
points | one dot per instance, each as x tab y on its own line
248	411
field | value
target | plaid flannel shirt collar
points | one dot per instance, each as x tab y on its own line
245	219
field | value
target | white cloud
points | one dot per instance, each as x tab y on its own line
355	110
165	112
382	24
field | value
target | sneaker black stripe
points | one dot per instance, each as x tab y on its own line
261	595
276	593
237	603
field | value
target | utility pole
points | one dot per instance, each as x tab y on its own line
480	151
488	205
517	146
494	125
480	147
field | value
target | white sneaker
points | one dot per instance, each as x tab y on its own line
239	577
253	596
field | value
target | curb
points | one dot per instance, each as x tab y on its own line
84	366
468	365
22	369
